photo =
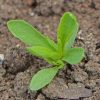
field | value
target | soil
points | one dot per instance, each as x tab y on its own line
74	82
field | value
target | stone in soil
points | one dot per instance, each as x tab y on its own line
2	70
40	97
1	58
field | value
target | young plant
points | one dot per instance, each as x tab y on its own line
54	53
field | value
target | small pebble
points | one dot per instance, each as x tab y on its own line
1	58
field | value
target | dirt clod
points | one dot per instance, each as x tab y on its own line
16	60
93	69
59	89
49	7
79	76
21	85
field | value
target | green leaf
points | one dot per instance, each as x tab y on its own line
52	43
43	52
43	78
60	51
28	34
67	29
73	55
70	42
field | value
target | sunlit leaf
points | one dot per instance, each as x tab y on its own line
28	34
43	52
67	29
73	55
43	78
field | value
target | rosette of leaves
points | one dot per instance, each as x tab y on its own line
57	54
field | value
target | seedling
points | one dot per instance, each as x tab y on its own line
54	53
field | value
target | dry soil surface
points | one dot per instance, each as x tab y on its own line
74	82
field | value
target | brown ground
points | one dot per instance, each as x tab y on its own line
19	67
